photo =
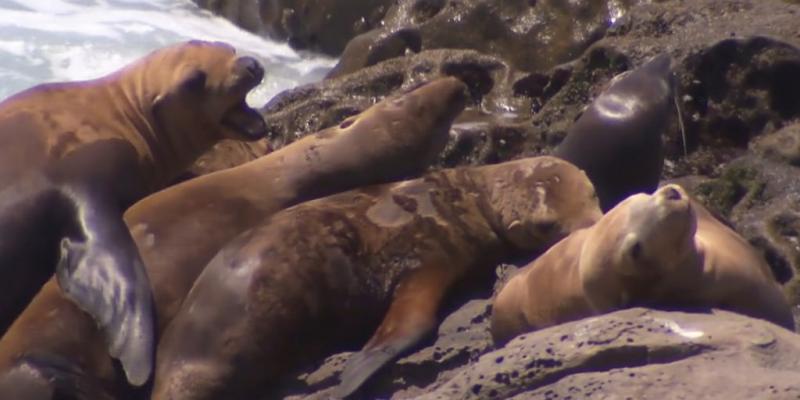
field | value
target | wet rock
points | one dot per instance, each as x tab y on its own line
529	35
319	25
639	353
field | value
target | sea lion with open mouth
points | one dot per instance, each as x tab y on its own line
179	229
75	155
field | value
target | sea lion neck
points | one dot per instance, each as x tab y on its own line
480	182
169	143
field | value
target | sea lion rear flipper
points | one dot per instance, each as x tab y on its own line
105	276
411	316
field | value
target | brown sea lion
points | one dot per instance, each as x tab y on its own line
325	272
617	140
663	249
179	229
74	155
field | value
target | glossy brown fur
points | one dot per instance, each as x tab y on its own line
179	229
660	250
325	272
74	155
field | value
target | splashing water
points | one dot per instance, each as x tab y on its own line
67	40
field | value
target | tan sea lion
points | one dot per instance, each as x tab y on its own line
325	272
74	155
179	229
617	140
663	249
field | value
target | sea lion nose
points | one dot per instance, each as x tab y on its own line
250	66
670	193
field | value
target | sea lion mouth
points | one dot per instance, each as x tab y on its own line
245	121
249	72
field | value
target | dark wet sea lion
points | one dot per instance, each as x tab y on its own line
179	229
663	249
74	155
617	140
325	272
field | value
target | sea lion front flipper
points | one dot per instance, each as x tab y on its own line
104	274
410	318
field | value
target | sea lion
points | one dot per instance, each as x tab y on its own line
74	155
325	272
617	140
179	229
662	250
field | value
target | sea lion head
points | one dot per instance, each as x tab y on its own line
646	90
636	244
424	111
536	201
196	92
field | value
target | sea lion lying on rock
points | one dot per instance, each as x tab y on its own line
74	156
179	229
327	271
663	249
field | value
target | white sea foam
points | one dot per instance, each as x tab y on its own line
61	40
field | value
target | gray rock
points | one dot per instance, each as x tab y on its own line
638	354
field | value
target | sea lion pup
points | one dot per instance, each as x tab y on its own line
617	140
74	155
663	249
179	229
325	272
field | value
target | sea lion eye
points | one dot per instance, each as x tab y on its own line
346	123
636	251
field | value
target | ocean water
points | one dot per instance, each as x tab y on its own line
66	40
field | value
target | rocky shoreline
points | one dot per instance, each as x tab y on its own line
532	67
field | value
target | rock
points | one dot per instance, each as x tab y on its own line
245	13
462	337
638	354
782	146
319	25
529	35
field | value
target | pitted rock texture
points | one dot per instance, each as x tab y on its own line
461	338
638	354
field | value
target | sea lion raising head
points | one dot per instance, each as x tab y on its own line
662	250
179	229
74	156
617	140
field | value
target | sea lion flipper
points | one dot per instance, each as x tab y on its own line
366	362
411	316
105	276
